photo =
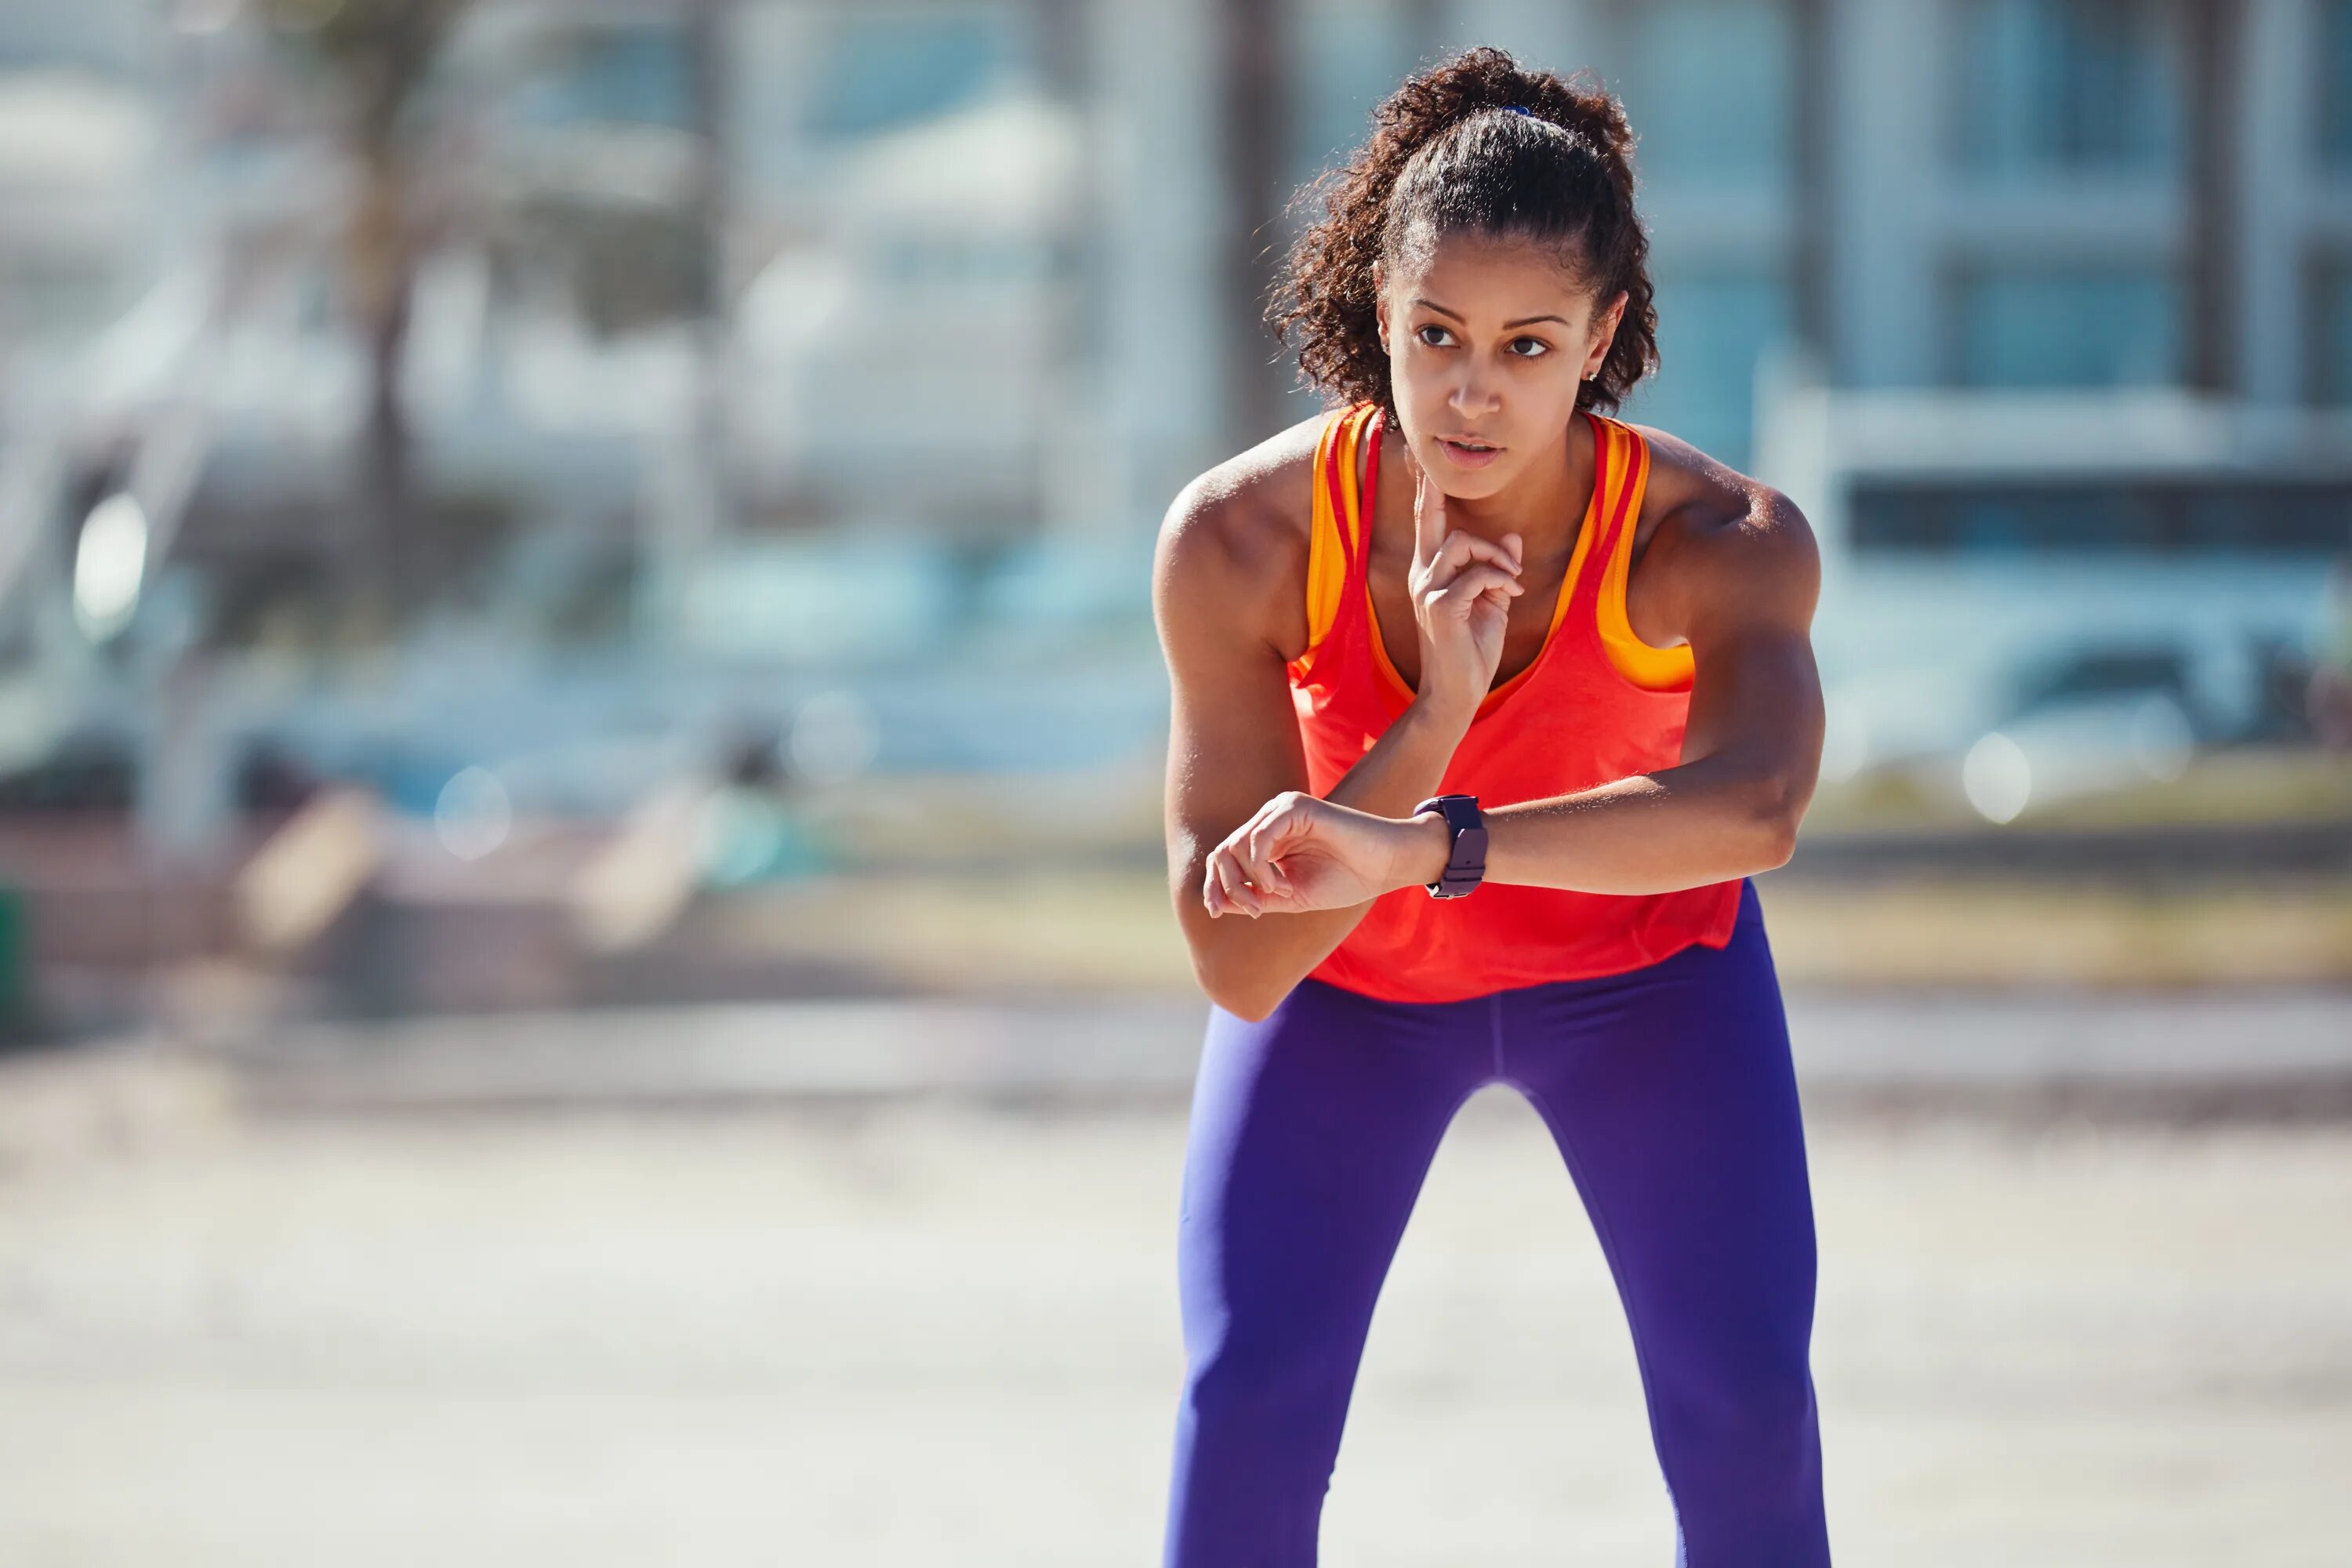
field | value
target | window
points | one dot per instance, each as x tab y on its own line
2222	515
1348	58
64	298
881	72
2331	332
622	75
111	41
1713	327
1708	87
2335	85
2066	326
2054	86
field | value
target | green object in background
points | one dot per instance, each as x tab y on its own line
749	837
16	961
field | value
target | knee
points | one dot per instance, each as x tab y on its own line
1757	1436
1256	1441
1286	1394
1743	1460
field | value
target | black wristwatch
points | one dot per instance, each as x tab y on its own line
1466	856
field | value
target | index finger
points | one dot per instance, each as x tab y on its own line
1428	513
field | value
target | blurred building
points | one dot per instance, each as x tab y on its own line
2067	405
2036	305
2039	306
652	408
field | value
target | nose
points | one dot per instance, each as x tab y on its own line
1475	395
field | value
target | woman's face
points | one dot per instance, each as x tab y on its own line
1487	341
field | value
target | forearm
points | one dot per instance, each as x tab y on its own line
1249	965
1707	821
1405	765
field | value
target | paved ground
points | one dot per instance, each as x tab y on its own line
929	1334
2272	1051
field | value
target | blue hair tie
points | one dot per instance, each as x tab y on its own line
1515	108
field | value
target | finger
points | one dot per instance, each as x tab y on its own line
1428	513
1474	583
1214	895
1268	840
1215	888
1458	550
1235	883
1517	575
1264	867
1242	890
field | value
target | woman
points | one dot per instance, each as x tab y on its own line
1470	581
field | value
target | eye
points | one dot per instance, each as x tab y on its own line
1423	331
1539	349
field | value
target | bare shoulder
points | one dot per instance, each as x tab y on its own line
1232	552
1719	535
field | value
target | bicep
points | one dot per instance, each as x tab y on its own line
1756	690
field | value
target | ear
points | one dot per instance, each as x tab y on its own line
1604	333
1380	303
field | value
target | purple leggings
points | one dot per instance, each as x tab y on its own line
1669	1092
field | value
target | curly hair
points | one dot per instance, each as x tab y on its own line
1473	146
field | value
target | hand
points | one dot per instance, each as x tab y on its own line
1462	589
1298	852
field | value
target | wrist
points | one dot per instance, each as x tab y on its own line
1421	860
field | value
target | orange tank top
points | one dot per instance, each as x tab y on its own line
1595	705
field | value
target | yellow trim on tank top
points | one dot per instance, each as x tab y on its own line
1652	668
1351	440
1327	568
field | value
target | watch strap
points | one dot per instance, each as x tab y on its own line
1465	859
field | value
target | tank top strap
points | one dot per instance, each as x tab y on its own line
1633	480
1337	553
1623	521
1612	454
1350	500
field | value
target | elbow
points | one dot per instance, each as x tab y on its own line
1774	807
1237	993
1248	1009
1245	967
1224	962
1248	1003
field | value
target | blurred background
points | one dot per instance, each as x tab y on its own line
585	960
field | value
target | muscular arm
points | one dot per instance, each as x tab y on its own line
1222	592
1744	598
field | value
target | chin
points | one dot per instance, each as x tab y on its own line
1470	484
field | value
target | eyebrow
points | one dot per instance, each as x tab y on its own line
1522	322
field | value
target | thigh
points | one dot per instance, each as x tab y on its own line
1311	1132
1671	1093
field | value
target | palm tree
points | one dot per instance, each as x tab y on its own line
378	55
1256	60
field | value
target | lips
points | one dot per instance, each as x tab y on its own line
1467	454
